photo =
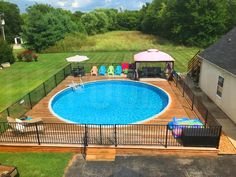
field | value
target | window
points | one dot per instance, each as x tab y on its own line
220	86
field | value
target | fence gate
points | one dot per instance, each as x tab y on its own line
100	134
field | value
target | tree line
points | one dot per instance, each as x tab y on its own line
188	22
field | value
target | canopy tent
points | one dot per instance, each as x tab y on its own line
77	58
153	55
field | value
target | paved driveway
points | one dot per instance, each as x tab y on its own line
164	166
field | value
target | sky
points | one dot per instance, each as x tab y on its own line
83	5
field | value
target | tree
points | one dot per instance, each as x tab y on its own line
6	52
44	25
128	20
188	22
95	22
90	20
12	19
112	18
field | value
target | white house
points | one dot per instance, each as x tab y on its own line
218	73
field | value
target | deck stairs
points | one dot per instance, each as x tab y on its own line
194	66
100	154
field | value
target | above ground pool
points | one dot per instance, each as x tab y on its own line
109	102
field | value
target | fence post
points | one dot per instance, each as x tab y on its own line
219	135
55	78
177	79
115	136
183	88
37	133
85	136
8	112
44	88
206	117
166	136
31	106
64	71
100	132
193	101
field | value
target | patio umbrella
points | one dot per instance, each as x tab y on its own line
77	58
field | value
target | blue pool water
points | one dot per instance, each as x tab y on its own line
109	102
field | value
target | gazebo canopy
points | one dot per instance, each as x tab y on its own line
153	55
77	58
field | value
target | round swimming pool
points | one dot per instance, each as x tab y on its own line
109	102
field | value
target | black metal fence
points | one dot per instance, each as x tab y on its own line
196	103
28	101
112	135
156	135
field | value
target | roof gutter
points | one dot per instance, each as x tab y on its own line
217	66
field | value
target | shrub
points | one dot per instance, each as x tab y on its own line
6	52
27	56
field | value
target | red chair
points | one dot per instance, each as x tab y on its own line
125	67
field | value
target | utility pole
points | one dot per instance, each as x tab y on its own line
2	23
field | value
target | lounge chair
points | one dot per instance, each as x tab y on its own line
26	126
94	71
110	71
125	67
118	70
102	70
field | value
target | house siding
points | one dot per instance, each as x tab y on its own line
208	83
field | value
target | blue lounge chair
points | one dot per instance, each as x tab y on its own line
102	70
118	70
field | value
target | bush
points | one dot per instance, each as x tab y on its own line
6	52
27	56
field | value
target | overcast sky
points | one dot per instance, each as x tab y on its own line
83	5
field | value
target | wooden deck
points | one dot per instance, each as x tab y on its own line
177	108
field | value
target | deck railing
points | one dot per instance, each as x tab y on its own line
112	135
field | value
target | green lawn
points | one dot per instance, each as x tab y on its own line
37	164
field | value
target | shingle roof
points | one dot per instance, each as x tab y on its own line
223	52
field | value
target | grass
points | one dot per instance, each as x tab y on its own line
37	164
23	77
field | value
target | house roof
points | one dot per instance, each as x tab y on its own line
223	52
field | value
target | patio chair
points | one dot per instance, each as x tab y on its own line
118	70
94	71
26	126
81	71
125	67
102	70
110	71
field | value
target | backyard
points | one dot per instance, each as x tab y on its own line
23	77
